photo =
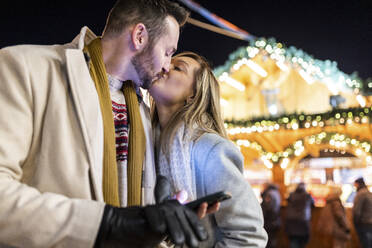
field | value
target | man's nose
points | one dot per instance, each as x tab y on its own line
167	66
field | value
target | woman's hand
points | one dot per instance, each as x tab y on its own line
203	210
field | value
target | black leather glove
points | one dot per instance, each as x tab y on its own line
148	226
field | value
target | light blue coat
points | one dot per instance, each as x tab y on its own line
218	165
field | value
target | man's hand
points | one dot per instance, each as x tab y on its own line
148	226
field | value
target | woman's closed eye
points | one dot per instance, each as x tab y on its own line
177	68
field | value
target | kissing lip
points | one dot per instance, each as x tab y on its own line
159	76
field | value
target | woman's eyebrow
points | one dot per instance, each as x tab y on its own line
183	62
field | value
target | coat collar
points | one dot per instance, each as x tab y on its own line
86	102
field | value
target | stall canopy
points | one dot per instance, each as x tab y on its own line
281	104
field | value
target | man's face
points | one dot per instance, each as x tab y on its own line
154	60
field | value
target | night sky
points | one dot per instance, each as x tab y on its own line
337	30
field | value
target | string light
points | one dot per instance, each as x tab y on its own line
298	121
335	140
311	69
232	82
223	102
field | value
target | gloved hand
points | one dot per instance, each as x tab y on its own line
148	226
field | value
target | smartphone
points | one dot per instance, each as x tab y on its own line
210	199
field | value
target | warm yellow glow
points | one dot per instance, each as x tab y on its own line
282	66
361	100
309	79
294	126
369	159
245	143
284	163
267	163
358	152
255	67
232	82
223	102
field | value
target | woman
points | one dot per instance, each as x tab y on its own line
332	221
194	154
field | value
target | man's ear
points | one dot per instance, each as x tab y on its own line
139	36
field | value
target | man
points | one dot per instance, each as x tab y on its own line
298	216
58	160
271	211
362	213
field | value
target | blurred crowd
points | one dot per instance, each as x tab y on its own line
332	226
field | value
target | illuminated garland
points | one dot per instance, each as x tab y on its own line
296	121
325	71
335	140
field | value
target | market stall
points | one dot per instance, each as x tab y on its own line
297	119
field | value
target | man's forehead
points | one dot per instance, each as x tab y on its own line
172	32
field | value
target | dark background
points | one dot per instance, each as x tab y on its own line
337	30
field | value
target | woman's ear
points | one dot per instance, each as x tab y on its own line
139	36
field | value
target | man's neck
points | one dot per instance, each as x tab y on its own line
117	59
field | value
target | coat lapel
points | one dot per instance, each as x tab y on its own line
88	111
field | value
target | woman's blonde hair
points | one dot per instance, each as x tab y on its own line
203	110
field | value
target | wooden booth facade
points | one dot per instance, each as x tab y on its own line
297	119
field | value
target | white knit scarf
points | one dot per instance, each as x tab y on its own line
178	170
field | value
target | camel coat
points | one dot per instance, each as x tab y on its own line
51	145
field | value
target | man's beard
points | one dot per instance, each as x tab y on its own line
144	67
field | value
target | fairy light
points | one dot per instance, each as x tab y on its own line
273	109
294	126
284	163
335	140
369	159
223	102
232	82
306	77
282	66
358	152
361	100
256	68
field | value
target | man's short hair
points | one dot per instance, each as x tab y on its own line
151	13
360	181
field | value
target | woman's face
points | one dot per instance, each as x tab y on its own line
176	86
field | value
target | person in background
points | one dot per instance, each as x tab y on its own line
194	153
332	221
76	152
362	213
271	202
298	216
